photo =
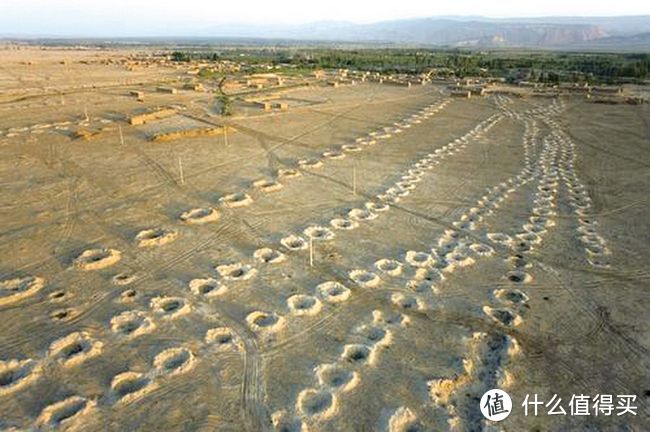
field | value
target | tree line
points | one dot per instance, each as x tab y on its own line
511	65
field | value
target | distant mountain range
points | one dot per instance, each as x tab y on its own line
625	33
629	32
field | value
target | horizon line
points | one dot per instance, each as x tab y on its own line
50	35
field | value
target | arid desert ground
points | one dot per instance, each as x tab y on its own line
374	258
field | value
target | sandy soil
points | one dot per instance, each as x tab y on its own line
424	249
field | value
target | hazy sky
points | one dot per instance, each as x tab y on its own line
159	17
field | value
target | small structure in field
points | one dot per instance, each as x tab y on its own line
270	105
506	91
475	90
197	87
266	106
139	95
607	90
140	119
282	106
85	134
192	133
461	93
614	99
168	90
574	87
